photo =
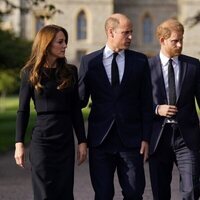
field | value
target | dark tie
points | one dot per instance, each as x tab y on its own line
171	82
114	71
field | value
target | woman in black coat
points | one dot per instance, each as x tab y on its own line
51	83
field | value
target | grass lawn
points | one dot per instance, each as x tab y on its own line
8	110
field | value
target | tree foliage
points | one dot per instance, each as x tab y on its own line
49	10
8	81
193	21
14	51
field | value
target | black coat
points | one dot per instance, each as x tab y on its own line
130	106
189	89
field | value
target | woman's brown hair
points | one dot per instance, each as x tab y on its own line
38	58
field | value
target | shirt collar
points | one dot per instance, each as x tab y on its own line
108	52
164	59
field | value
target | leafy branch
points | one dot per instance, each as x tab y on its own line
193	21
48	10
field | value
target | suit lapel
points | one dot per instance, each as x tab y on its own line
182	73
127	67
101	69
158	73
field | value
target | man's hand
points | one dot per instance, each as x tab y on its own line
81	153
167	110
144	150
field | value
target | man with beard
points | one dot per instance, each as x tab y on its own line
176	133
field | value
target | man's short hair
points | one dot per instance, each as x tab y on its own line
165	28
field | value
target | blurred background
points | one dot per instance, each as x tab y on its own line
84	20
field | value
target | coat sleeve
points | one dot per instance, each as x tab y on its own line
197	89
23	112
82	82
147	103
77	117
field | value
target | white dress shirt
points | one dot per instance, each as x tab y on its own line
107	60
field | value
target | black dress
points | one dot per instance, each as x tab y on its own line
52	145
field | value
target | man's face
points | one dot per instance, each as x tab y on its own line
172	46
122	35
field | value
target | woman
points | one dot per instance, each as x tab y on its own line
51	83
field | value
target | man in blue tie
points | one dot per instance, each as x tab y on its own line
119	127
176	133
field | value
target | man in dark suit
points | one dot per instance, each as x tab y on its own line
176	133
118	82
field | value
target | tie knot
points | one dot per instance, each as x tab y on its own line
170	61
115	55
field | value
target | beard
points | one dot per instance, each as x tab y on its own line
175	52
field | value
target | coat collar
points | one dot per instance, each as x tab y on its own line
183	69
159	74
100	66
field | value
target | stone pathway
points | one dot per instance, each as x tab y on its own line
15	183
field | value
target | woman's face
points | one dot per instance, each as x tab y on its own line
58	46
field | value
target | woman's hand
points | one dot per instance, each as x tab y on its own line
81	153
19	154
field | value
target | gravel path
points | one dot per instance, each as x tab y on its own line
15	183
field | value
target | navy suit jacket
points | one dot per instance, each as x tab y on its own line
189	89
130	106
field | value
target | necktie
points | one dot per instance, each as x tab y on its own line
114	71
171	82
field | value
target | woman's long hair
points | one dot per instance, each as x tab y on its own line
38	59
